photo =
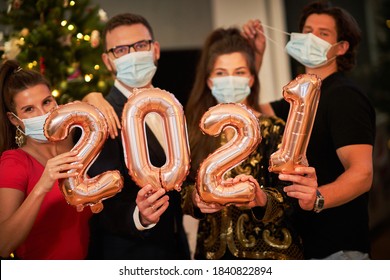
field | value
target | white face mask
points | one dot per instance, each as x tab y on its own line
135	69
230	89
34	127
308	49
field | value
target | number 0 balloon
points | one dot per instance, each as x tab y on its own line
303	94
80	191
172	174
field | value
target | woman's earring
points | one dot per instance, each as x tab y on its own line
20	139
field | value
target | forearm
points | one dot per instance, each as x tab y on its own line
355	180
15	229
348	186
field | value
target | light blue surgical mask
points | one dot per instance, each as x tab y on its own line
308	49
135	69
230	89
33	127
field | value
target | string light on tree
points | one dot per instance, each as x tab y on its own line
61	39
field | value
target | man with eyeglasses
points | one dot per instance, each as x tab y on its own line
135	223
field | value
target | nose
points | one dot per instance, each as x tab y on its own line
42	111
316	33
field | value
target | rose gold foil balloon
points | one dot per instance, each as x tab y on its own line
303	94
172	174
211	185
81	191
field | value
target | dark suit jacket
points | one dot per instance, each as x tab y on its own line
113	232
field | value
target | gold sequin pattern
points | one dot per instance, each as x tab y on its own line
236	232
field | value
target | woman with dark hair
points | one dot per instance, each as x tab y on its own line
262	228
35	220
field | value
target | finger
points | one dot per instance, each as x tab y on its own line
111	126
302	170
145	191
116	120
293	190
152	198
297	179
68	166
158	203
209	207
112	131
299	194
152	213
259	27
142	195
198	200
61	159
71	153
251	27
64	175
159	211
246	33
249	30
209	211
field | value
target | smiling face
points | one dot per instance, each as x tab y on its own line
32	102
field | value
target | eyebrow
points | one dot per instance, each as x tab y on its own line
239	68
321	28
25	107
51	97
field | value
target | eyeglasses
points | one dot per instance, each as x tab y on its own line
139	46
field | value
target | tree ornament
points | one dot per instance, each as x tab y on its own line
17	4
42	66
95	38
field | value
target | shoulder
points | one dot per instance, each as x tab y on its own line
14	169
340	86
16	155
342	94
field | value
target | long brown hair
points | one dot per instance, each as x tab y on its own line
13	79
219	42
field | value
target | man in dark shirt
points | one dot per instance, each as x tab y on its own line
342	139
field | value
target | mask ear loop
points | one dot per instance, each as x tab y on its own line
274	29
20	136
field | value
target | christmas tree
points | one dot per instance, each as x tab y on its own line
60	39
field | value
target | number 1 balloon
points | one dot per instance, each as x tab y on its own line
172	174
303	94
211	186
81	191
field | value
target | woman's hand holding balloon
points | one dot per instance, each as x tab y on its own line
204	207
57	167
260	196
